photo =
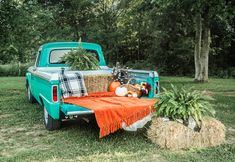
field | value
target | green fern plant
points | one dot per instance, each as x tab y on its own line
181	104
80	59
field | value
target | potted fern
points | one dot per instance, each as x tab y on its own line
184	105
80	59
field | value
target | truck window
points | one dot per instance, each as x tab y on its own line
38	58
57	54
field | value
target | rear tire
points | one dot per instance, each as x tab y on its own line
50	123
31	98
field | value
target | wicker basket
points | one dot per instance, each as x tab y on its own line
132	88
97	83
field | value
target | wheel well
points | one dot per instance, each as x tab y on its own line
27	83
41	101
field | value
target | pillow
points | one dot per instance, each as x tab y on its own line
72	84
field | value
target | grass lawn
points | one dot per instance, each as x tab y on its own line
24	138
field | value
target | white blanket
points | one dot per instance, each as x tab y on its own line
139	124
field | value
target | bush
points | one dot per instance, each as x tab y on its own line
181	104
14	69
80	59
141	64
223	73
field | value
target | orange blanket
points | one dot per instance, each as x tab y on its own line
111	111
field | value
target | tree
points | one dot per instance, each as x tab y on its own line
206	13
175	36
201	15
202	45
77	15
8	11
106	30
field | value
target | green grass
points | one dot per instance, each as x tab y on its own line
24	138
14	69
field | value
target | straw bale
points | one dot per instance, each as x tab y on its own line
174	135
97	83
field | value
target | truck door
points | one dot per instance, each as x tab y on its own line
33	79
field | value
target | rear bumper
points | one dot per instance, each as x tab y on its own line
70	109
80	112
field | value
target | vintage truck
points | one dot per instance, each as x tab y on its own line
42	82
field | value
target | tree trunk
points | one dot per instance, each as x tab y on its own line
76	35
197	50
205	53
202	48
19	71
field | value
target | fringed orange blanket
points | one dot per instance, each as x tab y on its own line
111	111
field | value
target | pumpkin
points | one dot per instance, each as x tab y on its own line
113	86
121	91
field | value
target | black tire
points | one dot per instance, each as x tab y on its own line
31	98
50	123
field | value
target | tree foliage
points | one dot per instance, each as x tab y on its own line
156	34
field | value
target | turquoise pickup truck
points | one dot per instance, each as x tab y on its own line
42	80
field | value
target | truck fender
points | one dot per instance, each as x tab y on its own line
53	109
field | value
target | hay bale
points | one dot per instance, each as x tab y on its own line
97	83
174	135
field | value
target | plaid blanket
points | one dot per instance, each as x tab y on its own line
72	85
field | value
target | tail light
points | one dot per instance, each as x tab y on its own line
55	93
157	86
147	88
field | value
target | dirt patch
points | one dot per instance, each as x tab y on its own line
5	154
5	115
230	135
131	157
9	131
36	133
